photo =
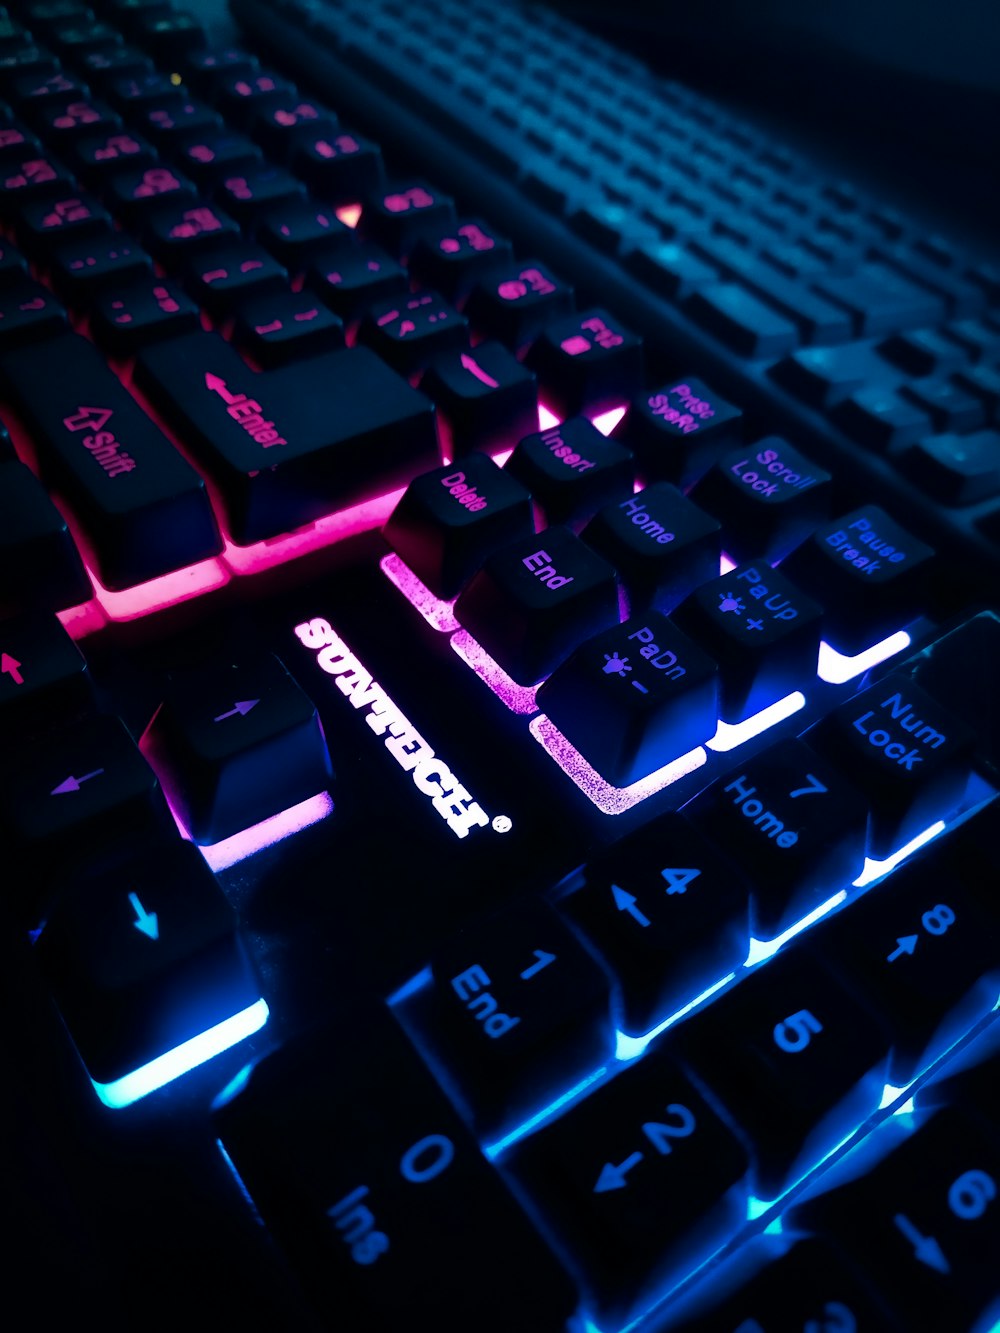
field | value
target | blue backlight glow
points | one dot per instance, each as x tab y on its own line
876	869
837	669
760	950
172	1064
628	1048
731	734
423	978
553	1108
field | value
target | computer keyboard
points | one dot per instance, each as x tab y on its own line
497	685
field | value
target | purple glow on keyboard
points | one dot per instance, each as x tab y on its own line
731	734
228	852
605	422
324	532
726	564
518	698
546	417
157	594
349	214
439	615
608	799
837	669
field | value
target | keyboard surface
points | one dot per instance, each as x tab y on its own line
499	634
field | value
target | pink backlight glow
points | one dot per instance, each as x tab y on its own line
349	214
439	615
605	421
221	855
608	799
79	621
324	532
518	698
157	594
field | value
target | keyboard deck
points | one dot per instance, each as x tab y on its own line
498	647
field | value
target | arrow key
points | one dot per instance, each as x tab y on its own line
144	957
43	676
924	1222
640	1179
236	744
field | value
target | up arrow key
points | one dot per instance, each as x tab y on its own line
145	921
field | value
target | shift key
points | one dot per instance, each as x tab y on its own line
288	446
143	509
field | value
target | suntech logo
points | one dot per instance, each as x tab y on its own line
430	775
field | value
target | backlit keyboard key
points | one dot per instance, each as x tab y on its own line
342	167
794	1058
276	327
383	1202
144	510
409	332
571	469
793	824
871	574
291	445
39	563
249	194
82	269
741	321
175	232
354	278
659	542
396	216
905	751
667	914
455	256
678	431
634	697
450	520
517	302
589	360
144	958
127	318
43	675
222	280
486	399
236	744
532	602
763	631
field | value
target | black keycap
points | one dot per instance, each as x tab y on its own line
172	35
659	542
486	399
396	215
242	96
286	121
138	193
450	520
219	281
533	602
942	669
144	958
383	1201
982	383
667	914
880	419
763	632
768	497
810	1287
135	93
670	269
280	326
295	231
881	301
43	227
923	1222
82	269
204	69
39	564
947	404
920	949
639	1180
409	332
174	233
795	1060
248	195
343	167
924	351
103	156
354	278
26	60
794	826
28	312
130	14
103	68
516	1011
634	698
80	796
175	123
26	179
75	39
588	360
909	755
61	122
822	376
452	259
741	321
517	302
123	320
210	158
17	143
957	469
143	509
43	675
289	446
869	572
678	431
236	744
28	91
571	469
